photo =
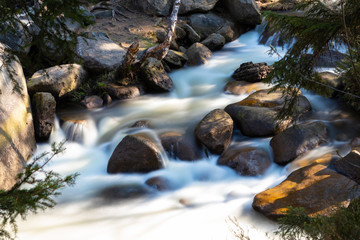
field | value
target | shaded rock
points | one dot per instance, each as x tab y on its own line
102	13
141	124
242	87
58	80
123	192
175	59
229	31
124	92
215	131
254	121
198	54
159	183
333	80
328	59
188	6
100	54
177	145
192	35
349	165
214	41
20	38
92	102
107	99
17	138
246	161
161	36
251	72
316	188
206	24
355	143
135	153
154	76
297	140
44	106
243	11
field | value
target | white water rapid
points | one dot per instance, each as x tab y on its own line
205	195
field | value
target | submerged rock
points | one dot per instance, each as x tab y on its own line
215	131
159	183
246	161
198	54
44	106
17	138
59	80
135	153
316	188
297	140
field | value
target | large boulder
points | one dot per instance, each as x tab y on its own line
44	106
349	165
99	53
206	24
124	92
180	146
58	80
198	54
297	140
215	131
154	76
247	161
17	138
316	188
214	41
251	72
244	11
135	153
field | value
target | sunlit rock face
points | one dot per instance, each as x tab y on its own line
316	188
17	140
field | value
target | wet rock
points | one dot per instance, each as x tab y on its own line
123	192
242	87
206	24
154	76
92	102
177	145
316	188
107	99
135	153
175	59
297	140
215	131
159	183
58	80
214	41
17	138
192	35
141	124
349	165
244	11
251	72
100	54
246	161
198	54
124	92
44	106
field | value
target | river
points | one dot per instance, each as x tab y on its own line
205	195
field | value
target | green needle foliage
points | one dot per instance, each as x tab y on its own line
318	27
35	190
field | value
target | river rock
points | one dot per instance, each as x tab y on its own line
349	165
214	42
17	138
58	80
251	72
206	24
44	106
229	31
355	143
192	35
242	87
91	102
135	153
177	145
154	76
316	188
247	161
123	192
175	59
124	92
161	36
198	54
215	131
244	11
141	124
297	140
159	183
99	53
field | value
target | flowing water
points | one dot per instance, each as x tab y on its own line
205	196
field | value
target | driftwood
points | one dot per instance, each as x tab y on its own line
130	64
